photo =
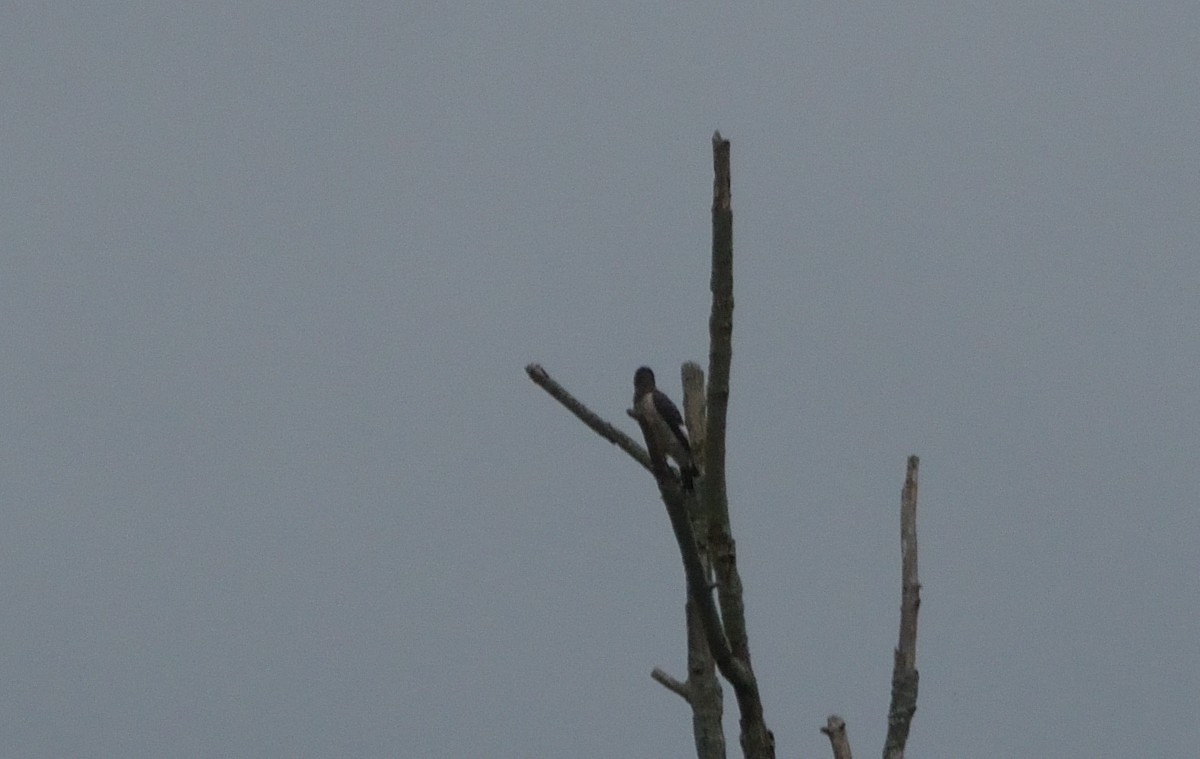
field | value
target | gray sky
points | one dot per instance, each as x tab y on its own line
275	483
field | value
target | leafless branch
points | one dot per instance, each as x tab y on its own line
602	428
904	671
677	500
700	521
704	627
757	741
692	377
710	554
706	700
674	498
671	684
835	728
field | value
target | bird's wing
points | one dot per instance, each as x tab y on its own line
670	414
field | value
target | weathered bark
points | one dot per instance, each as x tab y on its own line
602	428
706	698
677	503
904	668
835	728
702	689
757	741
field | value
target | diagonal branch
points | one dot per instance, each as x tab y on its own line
602	428
676	500
904	671
677	510
683	690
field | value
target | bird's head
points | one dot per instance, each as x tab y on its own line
643	381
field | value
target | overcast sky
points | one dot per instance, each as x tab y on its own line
274	482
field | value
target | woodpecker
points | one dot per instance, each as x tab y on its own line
663	421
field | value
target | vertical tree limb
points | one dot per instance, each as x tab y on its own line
708	730
904	671
757	741
692	377
835	728
720	334
702	689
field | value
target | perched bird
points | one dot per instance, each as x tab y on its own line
662	424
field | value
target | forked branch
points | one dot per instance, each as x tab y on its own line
676	501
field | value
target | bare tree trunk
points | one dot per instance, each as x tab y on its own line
717	639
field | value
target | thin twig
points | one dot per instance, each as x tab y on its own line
671	684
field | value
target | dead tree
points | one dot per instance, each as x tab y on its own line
717	639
